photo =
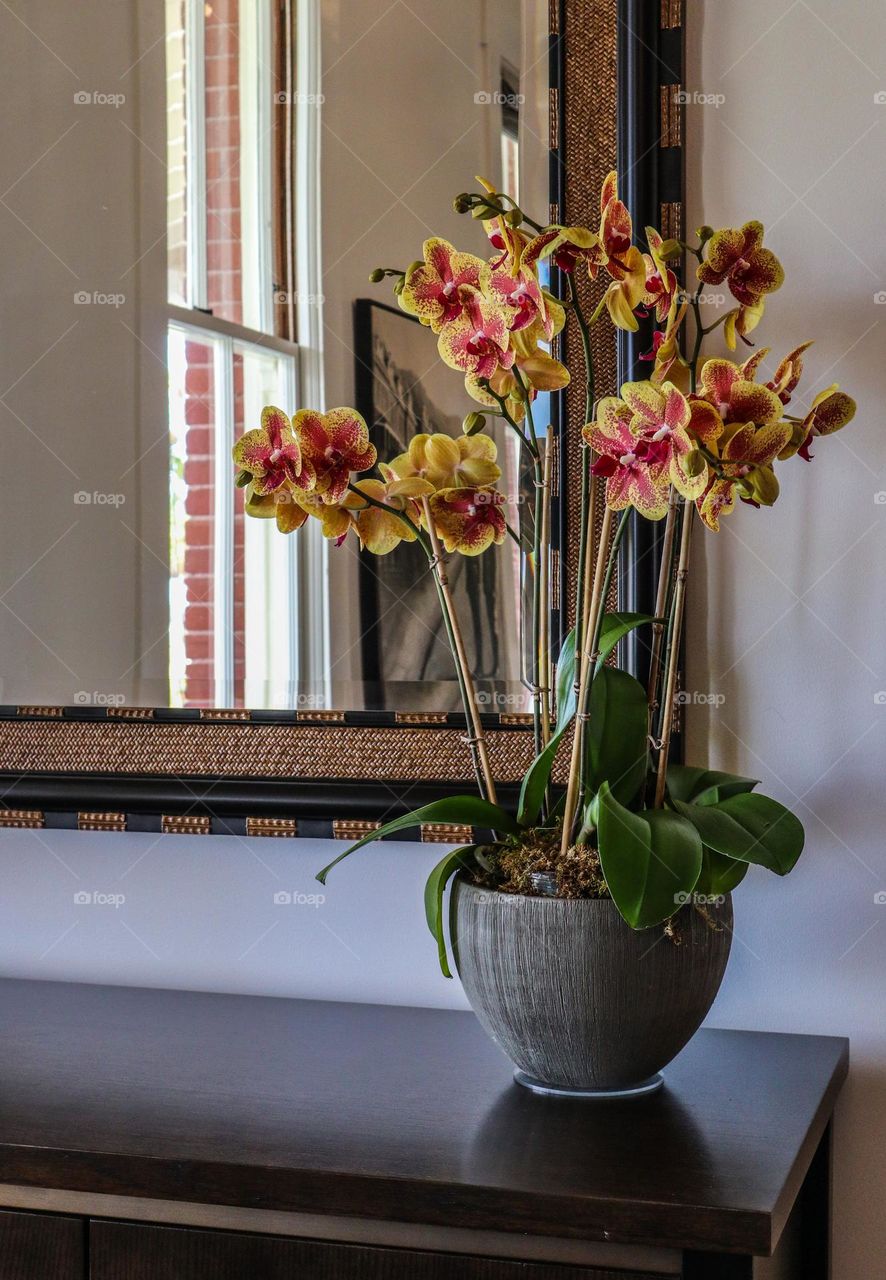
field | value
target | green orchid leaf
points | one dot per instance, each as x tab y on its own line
566	681
456	860
749	828
470	810
616	734
651	860
719	874
693	785
615	627
536	779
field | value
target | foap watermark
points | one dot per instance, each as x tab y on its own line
880	498
87	898
283	99
698	698
83	298
496	700
283	299
699	899
880	698
880	898
83	498
697	98
97	98
495	98
98	698
880	98
283	898
880	298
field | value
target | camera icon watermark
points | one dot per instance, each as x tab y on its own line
88	98
495	98
880	98
83	298
880	498
880	698
83	898
283	99
880	298
698	698
697	98
97	698
83	498
283	898
699	899
282	298
880	898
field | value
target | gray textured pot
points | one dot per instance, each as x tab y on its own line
576	998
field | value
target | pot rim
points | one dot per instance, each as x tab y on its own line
461	881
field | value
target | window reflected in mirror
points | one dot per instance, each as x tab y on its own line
192	208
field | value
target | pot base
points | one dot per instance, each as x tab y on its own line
553	1091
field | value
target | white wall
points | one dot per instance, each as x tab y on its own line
788	605
788	623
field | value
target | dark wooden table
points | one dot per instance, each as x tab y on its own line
242	1136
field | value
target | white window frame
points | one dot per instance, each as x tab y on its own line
303	596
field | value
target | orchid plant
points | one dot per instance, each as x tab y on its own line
697	437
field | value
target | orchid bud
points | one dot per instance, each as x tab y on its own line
694	463
473	423
670	249
242	479
514	218
462	203
376	276
704	233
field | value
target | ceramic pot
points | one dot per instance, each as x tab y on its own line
579	1001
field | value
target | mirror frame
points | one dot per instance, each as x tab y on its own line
616	69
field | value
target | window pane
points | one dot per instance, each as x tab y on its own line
264	620
224	273
192	425
176	186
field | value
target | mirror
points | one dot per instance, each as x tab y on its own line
191	206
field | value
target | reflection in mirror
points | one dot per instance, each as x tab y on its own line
191	208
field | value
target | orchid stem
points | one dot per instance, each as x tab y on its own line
476	738
675	629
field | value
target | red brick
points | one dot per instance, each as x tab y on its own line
198	561
198	646
199	502
198	443
198	471
198	617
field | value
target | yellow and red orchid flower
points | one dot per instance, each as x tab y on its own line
627	291
565	246
616	232
661	283
334	445
433	289
477	340
736	255
469	520
272	456
736	398
746	454
788	373
740	322
282	505
831	410
538	370
669	363
664	431
632	480
381	531
526	302
446	462
509	241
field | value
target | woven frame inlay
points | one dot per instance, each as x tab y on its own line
353	828
446	833
101	821
671	115
671	14
671	220
271	827
591	152
21	818
203	749
185	825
